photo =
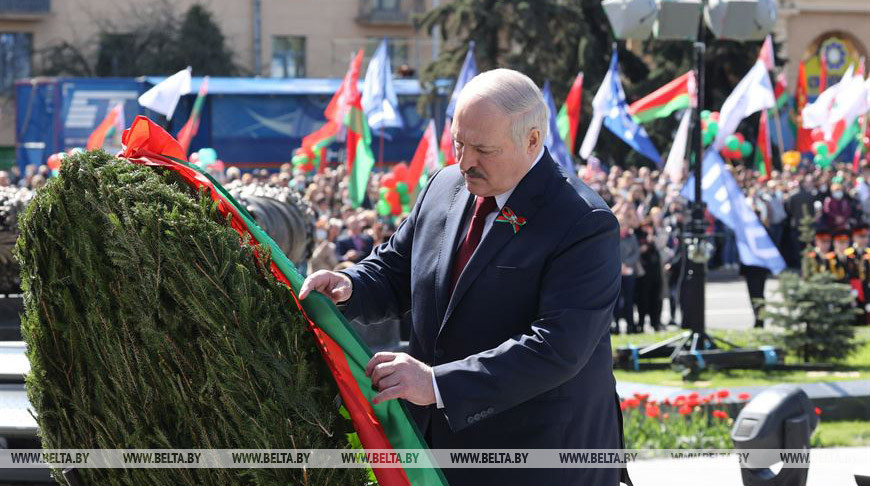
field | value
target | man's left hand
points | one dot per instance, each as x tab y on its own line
398	375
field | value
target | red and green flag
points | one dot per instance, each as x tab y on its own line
312	153
568	119
804	139
386	426
763	150
191	126
111	127
426	159
678	94
360	159
448	156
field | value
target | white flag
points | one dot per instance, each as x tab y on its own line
753	93
599	107
677	156
818	113
163	98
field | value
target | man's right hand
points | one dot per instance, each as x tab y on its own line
337	287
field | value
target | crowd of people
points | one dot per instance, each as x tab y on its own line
652	216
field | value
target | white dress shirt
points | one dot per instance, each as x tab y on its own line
500	201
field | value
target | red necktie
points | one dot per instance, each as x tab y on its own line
482	207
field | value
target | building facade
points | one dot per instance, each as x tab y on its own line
271	38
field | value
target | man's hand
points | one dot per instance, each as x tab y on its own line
335	286
398	375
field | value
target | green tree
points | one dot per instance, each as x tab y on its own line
201	44
554	39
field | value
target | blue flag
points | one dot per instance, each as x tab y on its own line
616	118
554	142
378	95
468	71
726	202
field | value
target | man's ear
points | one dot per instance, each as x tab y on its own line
535	141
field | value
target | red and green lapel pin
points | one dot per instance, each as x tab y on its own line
508	216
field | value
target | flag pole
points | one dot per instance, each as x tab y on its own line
778	123
381	150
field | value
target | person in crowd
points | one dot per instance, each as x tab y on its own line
837	209
649	285
630	254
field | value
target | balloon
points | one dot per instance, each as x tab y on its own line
745	149
383	192
389	180
707	137
54	160
218	165
383	207
394	199
404	198
713	127
705	114
821	148
739	137
821	161
207	156
396	210
75	150
714	116
406	208
402	187
400	170
791	158
732	142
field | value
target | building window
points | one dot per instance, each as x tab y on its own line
15	58
288	56
397	48
386	4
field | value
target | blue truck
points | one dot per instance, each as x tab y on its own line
252	123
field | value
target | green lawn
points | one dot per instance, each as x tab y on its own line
845	433
856	367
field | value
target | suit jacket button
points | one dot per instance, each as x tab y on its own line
470	419
490	410
477	416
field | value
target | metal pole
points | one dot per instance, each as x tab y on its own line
257	39
696	271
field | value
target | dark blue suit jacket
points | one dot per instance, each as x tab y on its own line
521	349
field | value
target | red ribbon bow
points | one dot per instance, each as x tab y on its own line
508	216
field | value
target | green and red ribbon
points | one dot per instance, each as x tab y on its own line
508	216
387	425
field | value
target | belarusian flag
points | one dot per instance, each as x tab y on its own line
448	157
360	158
188	131
386	426
762	147
678	94
426	159
112	124
314	145
568	119
804	139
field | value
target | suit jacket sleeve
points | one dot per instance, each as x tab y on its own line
382	281
576	300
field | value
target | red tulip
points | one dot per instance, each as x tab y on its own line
744	396
685	410
818	411
723	393
622	406
632	402
652	411
720	414
641	396
694	395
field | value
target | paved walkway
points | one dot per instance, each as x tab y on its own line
726	472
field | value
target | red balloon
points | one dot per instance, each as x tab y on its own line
714	116
400	170
219	165
394	199
740	137
389	180
54	161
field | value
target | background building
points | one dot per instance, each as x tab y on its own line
270	38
